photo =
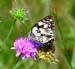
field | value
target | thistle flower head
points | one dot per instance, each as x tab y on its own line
18	13
26	47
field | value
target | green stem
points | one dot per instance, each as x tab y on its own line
63	41
31	67
14	66
8	35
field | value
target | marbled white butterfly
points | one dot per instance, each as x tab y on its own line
43	30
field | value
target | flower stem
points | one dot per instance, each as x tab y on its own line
15	63
63	40
31	67
8	35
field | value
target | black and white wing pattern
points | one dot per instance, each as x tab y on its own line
43	30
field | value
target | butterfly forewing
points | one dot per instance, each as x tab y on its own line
43	30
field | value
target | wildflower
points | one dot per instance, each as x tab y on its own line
26	47
47	53
18	13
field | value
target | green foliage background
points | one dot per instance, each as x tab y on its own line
64	15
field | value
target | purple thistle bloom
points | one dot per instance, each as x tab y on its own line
26	47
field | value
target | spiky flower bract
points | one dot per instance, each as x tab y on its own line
18	13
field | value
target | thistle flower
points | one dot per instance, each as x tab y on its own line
26	47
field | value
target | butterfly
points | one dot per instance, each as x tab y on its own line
44	32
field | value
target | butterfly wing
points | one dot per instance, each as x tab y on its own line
43	30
